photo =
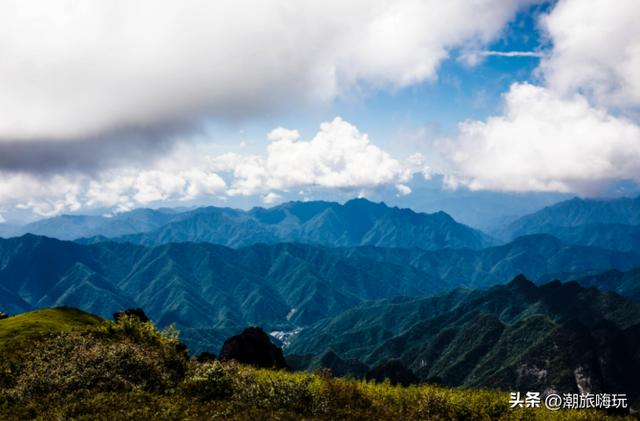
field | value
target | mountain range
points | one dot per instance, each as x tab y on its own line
613	224
354	286
517	336
213	290
624	283
357	222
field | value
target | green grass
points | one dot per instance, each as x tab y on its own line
27	326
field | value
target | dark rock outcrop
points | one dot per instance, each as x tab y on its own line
253	347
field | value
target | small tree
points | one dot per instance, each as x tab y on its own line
136	312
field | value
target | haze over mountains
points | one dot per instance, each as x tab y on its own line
357	222
613	224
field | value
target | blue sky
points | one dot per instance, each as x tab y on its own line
111	107
460	91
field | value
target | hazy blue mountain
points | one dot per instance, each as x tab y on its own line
626	283
70	227
612	236
483	209
540	257
210	291
516	337
8	230
612	224
357	222
576	211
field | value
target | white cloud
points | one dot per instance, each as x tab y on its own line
596	49
80	69
403	190
472	58
126	189
45	197
547	143
338	156
577	132
271	198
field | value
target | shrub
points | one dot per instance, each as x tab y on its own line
136	312
122	356
72	361
272	390
208	381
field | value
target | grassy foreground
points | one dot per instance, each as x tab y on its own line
70	365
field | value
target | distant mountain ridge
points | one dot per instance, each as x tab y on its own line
71	227
577	211
357	222
612	224
624	283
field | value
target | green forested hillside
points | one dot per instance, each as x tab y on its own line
213	291
558	336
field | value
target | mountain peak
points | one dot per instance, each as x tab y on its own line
362	202
521	282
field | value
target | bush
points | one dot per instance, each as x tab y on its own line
123	356
136	312
272	390
208	381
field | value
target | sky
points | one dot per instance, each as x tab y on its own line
109	106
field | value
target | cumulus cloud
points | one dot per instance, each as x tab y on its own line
576	132
271	198
128	189
545	142
43	196
122	190
596	50
338	156
80	70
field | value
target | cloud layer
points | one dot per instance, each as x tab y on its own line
576	132
596	50
546	143
338	156
78	70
